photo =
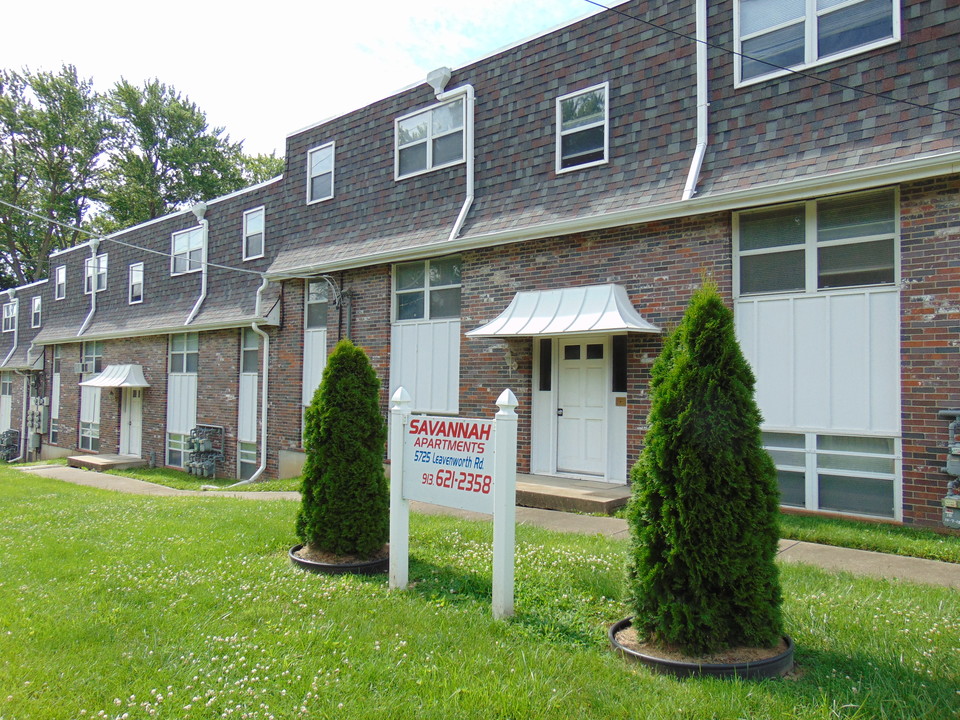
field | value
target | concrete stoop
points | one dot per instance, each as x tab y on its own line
105	462
570	495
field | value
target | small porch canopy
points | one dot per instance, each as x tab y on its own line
122	376
589	310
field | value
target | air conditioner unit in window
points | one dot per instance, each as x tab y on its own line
82	368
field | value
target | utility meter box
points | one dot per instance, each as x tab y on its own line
951	511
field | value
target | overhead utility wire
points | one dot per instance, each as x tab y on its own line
811	76
121	242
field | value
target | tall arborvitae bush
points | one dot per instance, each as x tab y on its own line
345	508
703	514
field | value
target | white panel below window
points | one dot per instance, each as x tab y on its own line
55	398
247	421
181	403
425	360
314	361
89	404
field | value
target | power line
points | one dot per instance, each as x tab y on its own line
801	73
46	261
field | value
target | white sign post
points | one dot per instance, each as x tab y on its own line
463	463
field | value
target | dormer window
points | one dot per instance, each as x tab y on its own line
35	314
253	234
187	251
582	128
95	274
10	316
60	282
429	139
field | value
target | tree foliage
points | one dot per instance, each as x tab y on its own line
54	132
345	506
703	514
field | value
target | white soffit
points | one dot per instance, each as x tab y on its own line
571	311
130	376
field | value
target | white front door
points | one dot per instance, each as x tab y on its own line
131	421
582	406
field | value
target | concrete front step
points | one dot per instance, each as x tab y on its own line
105	462
570	495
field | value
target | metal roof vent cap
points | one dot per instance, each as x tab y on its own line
199	210
439	78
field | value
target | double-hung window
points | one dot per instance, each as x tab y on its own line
253	234
798	33
316	305
95	274
36	316
249	352
60	282
10	315
583	128
135	287
320	173
428	290
844	241
430	139
92	357
187	251
184	352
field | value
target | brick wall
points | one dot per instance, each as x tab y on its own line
930	338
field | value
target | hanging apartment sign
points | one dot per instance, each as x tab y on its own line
462	463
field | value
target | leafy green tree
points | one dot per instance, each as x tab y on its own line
260	168
54	133
166	156
703	514
345	506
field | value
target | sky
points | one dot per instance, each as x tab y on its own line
280	66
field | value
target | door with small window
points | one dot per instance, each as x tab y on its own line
582	406
131	421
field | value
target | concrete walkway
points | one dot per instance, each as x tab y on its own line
858	562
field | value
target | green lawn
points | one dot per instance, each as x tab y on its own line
115	605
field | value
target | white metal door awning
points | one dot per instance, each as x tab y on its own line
129	376
570	311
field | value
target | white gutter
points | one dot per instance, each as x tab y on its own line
792	190
471	102
703	102
94	245
11	296
264	394
199	209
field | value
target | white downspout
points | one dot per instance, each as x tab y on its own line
264	394
94	246
199	209
703	103
11	295
470	97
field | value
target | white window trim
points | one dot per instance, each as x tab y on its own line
60	282
333	173
307	302
430	138
186	351
810	43
36	311
10	312
605	86
426	288
263	232
810	246
92	275
134	267
173	255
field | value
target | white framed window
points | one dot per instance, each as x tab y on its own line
92	357
253	233
90	436
320	173
60	282
799	33
54	435
135	284
36	316
6	384
247	459
184	353
427	289
583	119
57	360
177	449
430	139
186	251
316	305
95	274
844	241
856	475
10	315
249	352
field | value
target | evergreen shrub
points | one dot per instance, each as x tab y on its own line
345	506
704	506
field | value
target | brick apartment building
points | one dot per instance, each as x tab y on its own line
536	220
